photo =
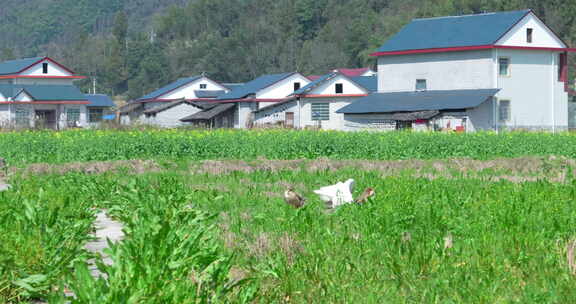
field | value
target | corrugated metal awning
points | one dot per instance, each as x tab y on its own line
419	101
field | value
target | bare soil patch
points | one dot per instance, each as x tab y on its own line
554	169
133	166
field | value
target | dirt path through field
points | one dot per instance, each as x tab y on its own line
106	229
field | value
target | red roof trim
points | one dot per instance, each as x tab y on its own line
78	102
471	48
42	77
51	60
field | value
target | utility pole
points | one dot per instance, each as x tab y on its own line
93	85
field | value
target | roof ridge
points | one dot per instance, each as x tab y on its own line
471	15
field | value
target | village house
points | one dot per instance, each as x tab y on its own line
315	105
165	107
262	92
39	92
492	71
357	72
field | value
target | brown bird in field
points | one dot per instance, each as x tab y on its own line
363	198
293	199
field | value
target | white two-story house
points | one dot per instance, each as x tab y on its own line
316	104
505	70
39	92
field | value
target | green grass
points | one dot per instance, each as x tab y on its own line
509	239
100	145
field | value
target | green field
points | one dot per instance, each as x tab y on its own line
211	232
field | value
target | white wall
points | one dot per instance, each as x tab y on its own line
329	87
187	91
242	112
536	96
282	88
42	81
4	115
336	121
368	122
23	97
272	115
442	71
171	118
53	70
541	35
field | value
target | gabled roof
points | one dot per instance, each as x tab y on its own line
16	66
252	87
171	104
209	93
315	83
419	101
210	113
171	87
455	31
367	82
44	92
99	100
353	72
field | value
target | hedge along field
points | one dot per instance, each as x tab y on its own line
101	145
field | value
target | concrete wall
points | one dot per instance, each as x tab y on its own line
8	114
276	114
336	121
442	71
541	35
44	81
536	95
187	91
368	122
329	87
242	113
53	70
171	118
282	88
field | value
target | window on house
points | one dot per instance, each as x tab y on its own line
203	86
72	116
504	66
504	110
45	68
22	118
296	86
320	111
339	88
421	85
95	114
529	32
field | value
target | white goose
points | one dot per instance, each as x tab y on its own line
338	194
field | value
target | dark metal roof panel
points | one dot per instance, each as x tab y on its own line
370	83
99	100
456	31
418	101
15	66
255	85
211	113
176	84
209	93
169	105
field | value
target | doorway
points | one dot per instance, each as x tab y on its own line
289	123
45	119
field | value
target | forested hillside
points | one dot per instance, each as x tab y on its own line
132	46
